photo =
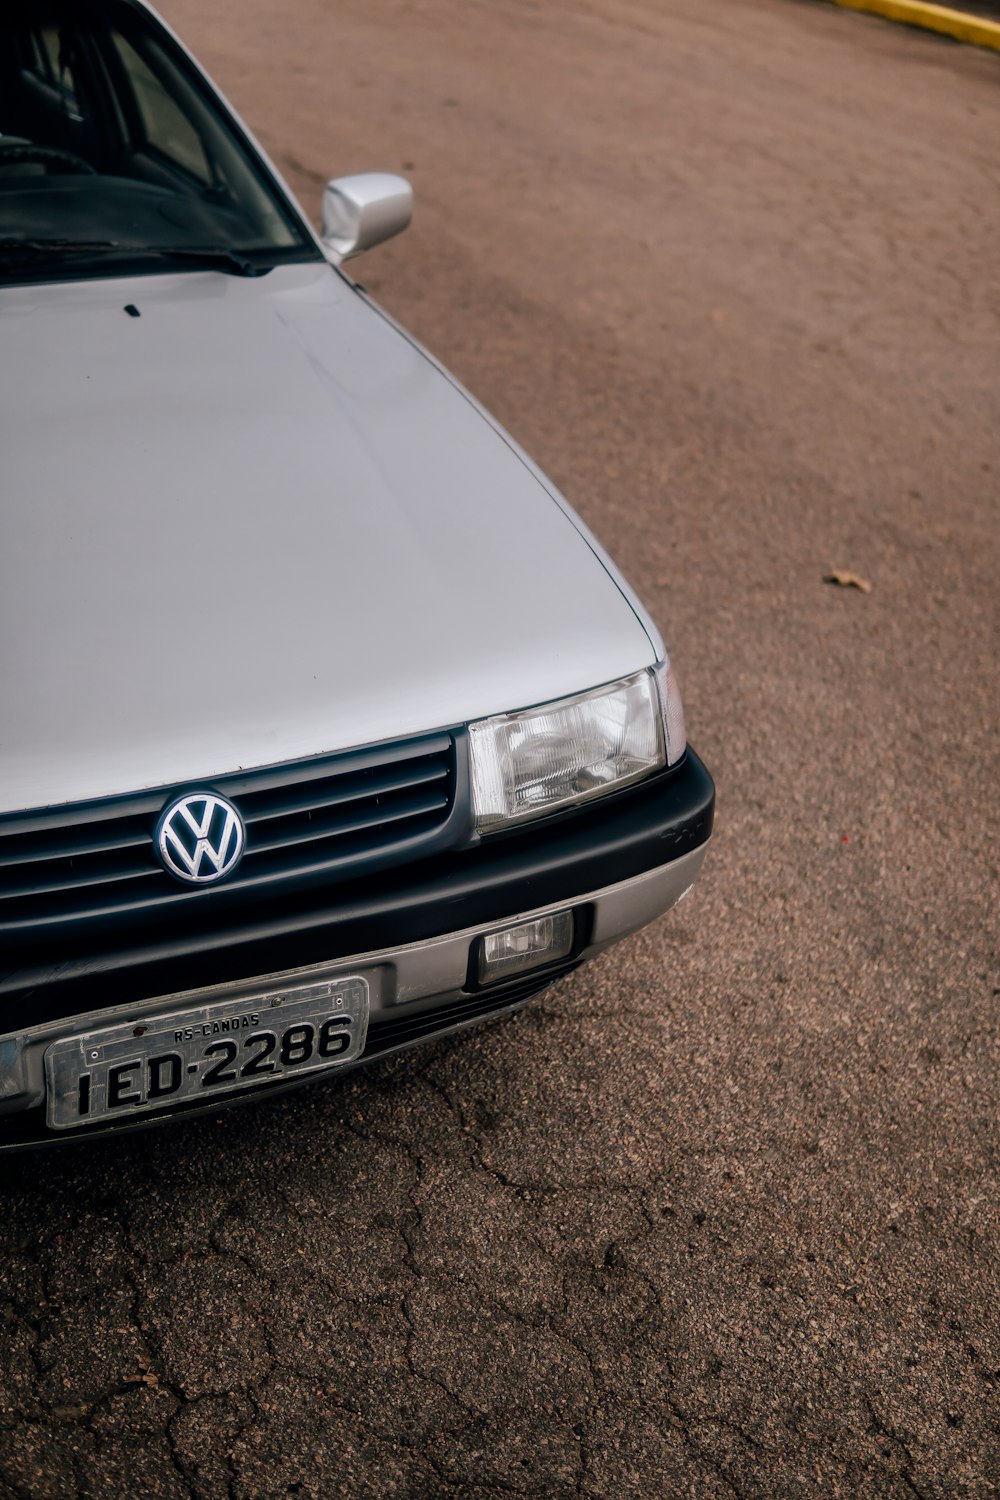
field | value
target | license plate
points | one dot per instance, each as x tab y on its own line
215	1049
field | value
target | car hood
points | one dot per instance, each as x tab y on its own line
255	523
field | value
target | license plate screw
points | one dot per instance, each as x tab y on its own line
138	1031
277	1000
94	1054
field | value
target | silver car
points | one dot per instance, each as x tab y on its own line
326	725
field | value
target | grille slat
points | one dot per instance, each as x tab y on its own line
35	852
259	811
69	878
381	816
82	815
328	818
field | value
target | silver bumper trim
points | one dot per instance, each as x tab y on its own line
418	975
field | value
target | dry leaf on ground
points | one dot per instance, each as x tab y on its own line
847	580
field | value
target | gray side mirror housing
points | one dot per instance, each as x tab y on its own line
362	211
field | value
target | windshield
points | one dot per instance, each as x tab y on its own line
115	159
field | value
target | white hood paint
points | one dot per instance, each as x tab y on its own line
255	524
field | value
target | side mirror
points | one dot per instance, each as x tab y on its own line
362	211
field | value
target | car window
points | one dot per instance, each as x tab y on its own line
51	66
164	123
115	155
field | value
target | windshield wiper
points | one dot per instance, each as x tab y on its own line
209	257
18	255
212	257
70	247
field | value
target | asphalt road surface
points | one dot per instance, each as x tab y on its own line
719	1214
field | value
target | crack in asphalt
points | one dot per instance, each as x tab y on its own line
653	1324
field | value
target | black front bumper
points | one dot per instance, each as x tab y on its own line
558	859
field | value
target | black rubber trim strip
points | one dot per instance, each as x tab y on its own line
554	862
398	1031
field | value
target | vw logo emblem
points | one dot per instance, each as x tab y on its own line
200	838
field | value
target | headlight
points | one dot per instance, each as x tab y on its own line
674	727
526	764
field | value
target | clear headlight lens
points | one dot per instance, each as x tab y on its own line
674	727
526	764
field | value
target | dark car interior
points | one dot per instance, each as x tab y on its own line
109	140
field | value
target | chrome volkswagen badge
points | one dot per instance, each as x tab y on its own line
200	838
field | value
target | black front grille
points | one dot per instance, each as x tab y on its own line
323	819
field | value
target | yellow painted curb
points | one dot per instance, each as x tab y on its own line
956	23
